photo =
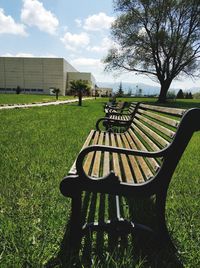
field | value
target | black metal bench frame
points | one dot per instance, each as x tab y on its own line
109	122
73	185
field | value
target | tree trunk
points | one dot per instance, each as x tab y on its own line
163	91
80	98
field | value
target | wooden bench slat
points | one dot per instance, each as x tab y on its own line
87	142
143	165
138	175
173	111
153	134
115	158
88	161
97	158
164	119
162	129
106	161
127	171
151	144
152	162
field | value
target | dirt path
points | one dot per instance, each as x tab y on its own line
39	104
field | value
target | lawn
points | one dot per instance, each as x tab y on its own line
38	146
28	98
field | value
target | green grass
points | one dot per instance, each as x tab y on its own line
28	98
38	146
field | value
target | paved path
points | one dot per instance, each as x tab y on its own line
39	104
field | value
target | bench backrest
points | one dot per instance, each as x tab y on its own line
154	128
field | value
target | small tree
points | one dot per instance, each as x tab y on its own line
80	86
187	95
56	91
18	90
129	94
180	94
190	96
171	94
120	92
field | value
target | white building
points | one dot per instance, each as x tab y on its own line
102	92
38	75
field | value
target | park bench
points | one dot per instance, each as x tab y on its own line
137	163
117	121
116	108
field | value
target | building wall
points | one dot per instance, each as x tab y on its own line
71	76
67	69
33	75
102	91
38	75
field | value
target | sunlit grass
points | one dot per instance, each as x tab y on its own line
38	147
29	98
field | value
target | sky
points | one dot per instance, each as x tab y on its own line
77	30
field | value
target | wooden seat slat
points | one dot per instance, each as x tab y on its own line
150	143
162	129
172	111
137	172
151	133
152	162
127	171
88	161
115	158
97	158
106	160
164	119
143	165
87	142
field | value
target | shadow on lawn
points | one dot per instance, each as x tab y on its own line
99	249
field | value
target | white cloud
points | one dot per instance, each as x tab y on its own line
73	41
28	55
104	46
34	14
78	22
98	22
9	26
86	62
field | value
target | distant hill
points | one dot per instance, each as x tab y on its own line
146	89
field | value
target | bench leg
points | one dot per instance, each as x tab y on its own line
75	225
163	234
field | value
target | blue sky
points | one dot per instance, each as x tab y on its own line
75	30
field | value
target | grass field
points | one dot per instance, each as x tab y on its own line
28	98
38	146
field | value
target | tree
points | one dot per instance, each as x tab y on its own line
80	86
129	94
190	96
160	39
180	94
18	90
171	94
56	91
187	95
120	92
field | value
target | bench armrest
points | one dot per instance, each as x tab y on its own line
112	122
102	148
72	185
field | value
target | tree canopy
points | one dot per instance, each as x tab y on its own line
159	38
56	91
80	86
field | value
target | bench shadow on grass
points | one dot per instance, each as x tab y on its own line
99	249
